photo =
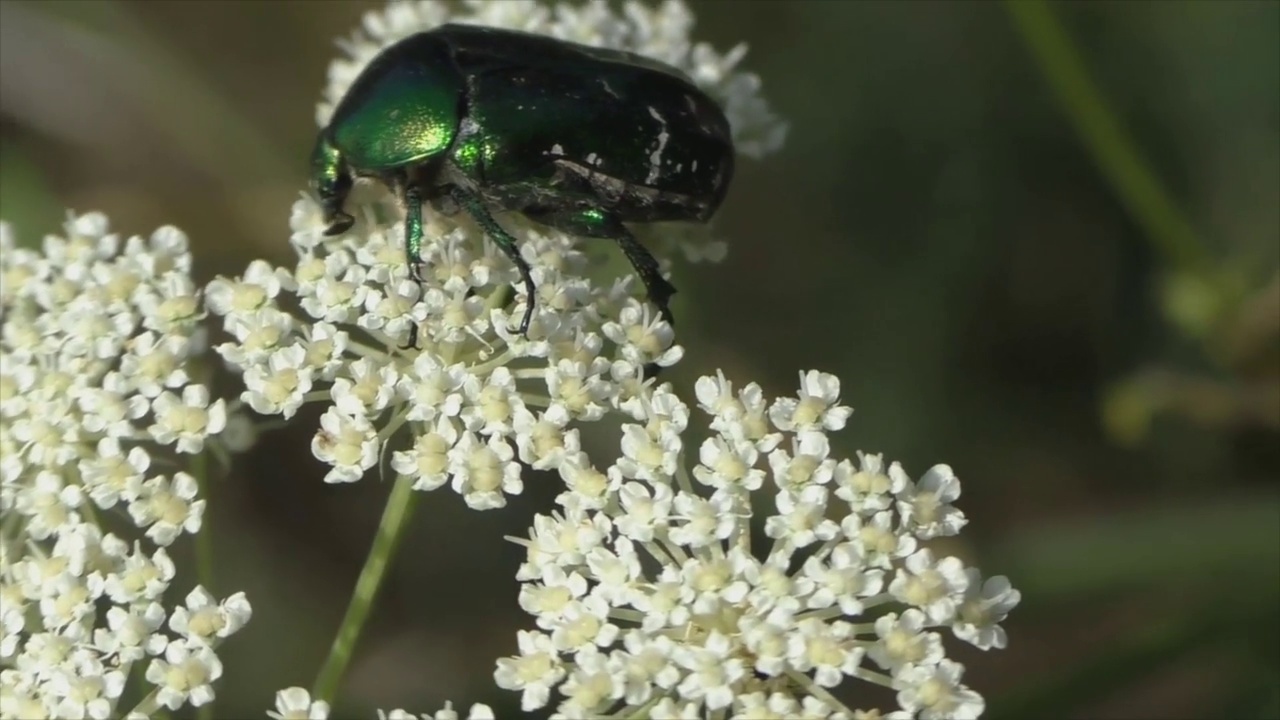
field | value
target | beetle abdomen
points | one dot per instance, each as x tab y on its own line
606	127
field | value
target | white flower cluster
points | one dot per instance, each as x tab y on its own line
471	407
295	703
660	31
475	398
649	597
651	600
98	337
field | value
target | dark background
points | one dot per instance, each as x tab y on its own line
935	231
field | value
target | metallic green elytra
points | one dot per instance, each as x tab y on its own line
577	138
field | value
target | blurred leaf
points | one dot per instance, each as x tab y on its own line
107	51
1144	651
26	200
1138	187
1149	545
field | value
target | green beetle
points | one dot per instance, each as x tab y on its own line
577	138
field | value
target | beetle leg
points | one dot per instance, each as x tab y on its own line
660	291
475	207
599	224
413	231
413	248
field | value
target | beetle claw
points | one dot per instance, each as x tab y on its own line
339	223
412	342
415	272
523	330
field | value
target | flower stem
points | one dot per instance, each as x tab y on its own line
1112	149
390	532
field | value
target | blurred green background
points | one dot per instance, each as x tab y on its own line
1097	356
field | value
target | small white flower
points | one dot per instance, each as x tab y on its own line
645	510
478	711
704	521
484	472
984	606
937	588
108	412
202	619
184	675
428	460
281	387
585	486
258	334
816	407
491	404
582	624
367	391
727	462
68	602
542	439
807	464
904	641
253	291
433	388
926	506
295	703
187	421
533	672
843	579
712	672
85	690
176	304
577	386
801	518
167	508
648	455
347	442
132	634
882	543
111	475
548	600
154	362
643	338
49	505
869	488
744	416
592	684
934	692
824	648
137	577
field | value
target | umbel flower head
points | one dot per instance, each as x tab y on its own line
98	400
475	398
651	599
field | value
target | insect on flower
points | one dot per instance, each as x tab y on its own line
578	138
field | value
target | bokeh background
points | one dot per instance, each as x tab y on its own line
1085	323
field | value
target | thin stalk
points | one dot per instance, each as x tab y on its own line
1112	149
390	532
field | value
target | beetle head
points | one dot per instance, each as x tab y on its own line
331	181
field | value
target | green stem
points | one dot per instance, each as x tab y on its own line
1139	190
390	532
